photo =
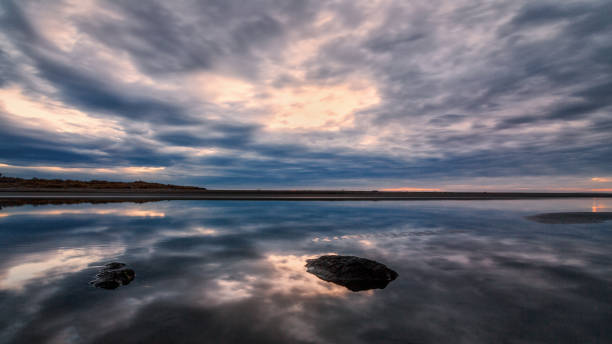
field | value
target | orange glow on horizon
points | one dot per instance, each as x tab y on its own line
412	189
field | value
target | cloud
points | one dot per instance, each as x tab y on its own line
132	170
307	93
601	179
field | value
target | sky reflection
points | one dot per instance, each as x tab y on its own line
470	272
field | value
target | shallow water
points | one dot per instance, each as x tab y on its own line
233	271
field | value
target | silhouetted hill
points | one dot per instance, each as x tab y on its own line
37	183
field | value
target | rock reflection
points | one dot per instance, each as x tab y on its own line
354	273
572	217
290	278
113	275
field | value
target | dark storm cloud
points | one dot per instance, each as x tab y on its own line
446	120
24	149
86	92
561	60
586	103
588	17
6	69
15	22
196	35
485	163
77	86
27	146
225	136
387	43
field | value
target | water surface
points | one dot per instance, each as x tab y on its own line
233	272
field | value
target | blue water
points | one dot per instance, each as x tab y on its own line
233	272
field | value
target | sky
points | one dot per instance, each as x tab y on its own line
360	94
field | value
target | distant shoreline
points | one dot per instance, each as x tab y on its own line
289	195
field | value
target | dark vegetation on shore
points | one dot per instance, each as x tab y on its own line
37	183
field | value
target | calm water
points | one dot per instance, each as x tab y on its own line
233	271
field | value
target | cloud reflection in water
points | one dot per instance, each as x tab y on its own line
472	272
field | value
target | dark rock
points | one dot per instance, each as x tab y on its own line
572	218
351	272
113	275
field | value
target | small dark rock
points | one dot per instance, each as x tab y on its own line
351	272
572	218
113	275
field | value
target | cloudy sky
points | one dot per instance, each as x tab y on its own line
451	95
